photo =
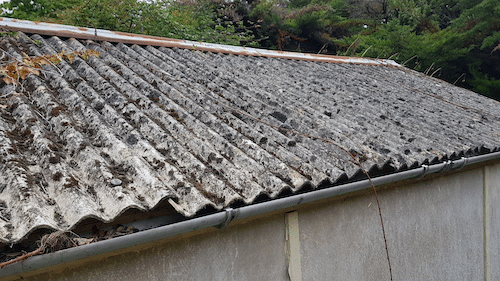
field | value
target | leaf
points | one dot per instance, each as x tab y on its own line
90	53
70	57
11	67
8	80
54	59
24	71
20	70
38	61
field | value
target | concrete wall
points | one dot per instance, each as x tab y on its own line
492	221
435	231
246	252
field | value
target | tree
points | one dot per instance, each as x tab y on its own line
36	9
455	40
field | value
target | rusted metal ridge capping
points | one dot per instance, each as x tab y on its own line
130	38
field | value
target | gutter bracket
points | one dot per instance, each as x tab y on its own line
447	166
424	171
462	164
230	215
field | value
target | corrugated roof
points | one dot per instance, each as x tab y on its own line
181	125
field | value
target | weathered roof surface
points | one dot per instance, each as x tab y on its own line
181	125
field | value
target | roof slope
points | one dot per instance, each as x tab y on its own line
181	125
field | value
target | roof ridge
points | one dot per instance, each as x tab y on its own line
140	39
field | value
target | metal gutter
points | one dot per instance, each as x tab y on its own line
95	34
222	219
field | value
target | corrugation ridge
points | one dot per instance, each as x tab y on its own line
139	205
338	66
454	114
312	71
100	166
50	166
74	225
293	116
85	180
364	100
276	138
18	196
333	66
46	149
346	74
178	132
333	133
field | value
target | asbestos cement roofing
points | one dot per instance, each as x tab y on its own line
142	124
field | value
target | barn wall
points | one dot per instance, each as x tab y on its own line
492	221
245	252
435	231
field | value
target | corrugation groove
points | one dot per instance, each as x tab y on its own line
305	114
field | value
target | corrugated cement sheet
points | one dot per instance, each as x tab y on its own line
142	124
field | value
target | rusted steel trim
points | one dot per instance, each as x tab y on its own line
59	30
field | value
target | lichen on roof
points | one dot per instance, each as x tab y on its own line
91	137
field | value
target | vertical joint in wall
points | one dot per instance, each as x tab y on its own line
293	246
486	222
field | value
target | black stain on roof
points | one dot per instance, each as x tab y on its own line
56	111
154	95
70	182
132	139
57	176
280	116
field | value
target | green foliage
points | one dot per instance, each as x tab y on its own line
168	18
36	9
450	39
486	86
400	42
110	14
299	24
446	38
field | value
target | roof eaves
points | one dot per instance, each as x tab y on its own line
52	29
228	215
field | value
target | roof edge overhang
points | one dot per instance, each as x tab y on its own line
95	34
223	218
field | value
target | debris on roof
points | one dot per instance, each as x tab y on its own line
137	125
